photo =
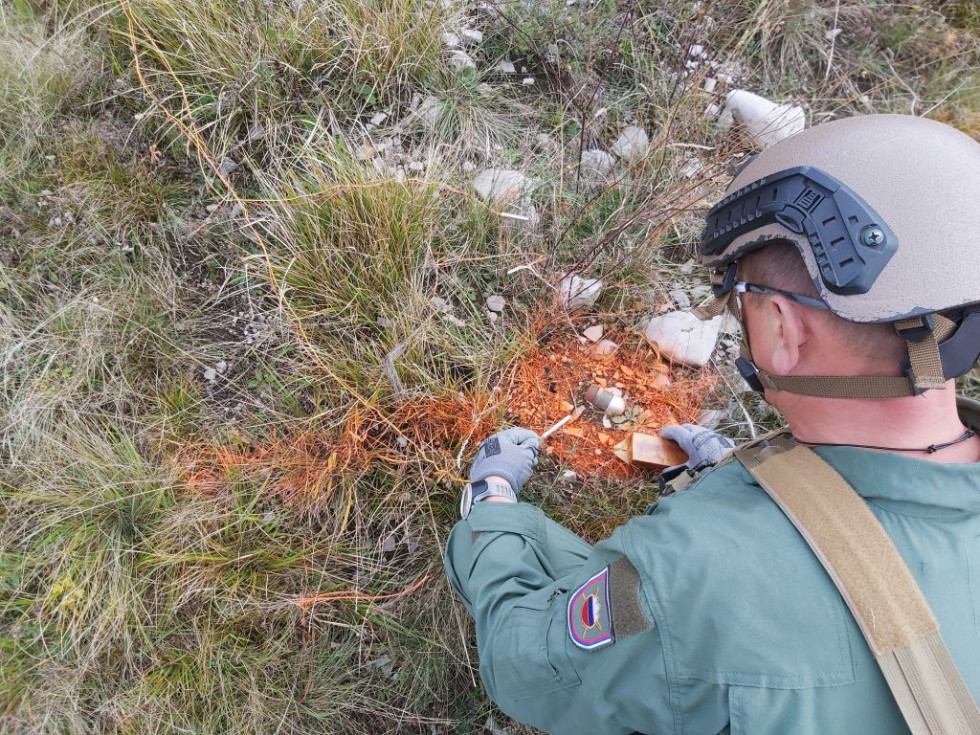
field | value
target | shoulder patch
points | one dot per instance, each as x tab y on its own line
590	623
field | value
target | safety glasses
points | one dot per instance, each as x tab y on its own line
743	287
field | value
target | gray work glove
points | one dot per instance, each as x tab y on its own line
510	454
702	446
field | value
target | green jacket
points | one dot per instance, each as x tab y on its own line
744	631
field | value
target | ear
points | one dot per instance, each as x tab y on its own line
790	334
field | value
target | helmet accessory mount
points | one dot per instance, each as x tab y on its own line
851	243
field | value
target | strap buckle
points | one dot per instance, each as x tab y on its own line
916	329
749	373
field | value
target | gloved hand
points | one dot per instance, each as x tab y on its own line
509	454
702	446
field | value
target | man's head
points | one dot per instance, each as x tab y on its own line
790	338
872	222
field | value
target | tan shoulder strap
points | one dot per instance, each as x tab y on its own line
876	584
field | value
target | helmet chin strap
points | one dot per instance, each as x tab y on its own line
924	370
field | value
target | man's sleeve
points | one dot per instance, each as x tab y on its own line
566	638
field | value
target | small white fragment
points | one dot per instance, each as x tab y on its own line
527	81
593	333
605	348
450	39
695	50
415	167
505	67
212	208
496	303
210	375
577	293
501	184
440	305
379	118
766	122
597	163
471	37
710	84
461	60
469	166
632	143
569	476
834	33
401	441
221	366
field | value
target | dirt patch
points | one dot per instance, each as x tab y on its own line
547	383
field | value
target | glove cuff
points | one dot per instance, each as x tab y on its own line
500	472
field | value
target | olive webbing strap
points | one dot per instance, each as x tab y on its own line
874	581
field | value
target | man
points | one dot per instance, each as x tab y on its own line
850	253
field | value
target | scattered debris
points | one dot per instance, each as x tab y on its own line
632	143
683	337
551	378
766	122
593	333
578	293
496	303
652	452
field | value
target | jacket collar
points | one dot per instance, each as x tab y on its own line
909	485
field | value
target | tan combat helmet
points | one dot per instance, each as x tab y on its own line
885	210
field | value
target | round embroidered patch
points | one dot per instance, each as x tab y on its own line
589	614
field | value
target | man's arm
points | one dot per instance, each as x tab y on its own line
566	638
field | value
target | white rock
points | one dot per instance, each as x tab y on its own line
696	50
471	37
450	39
505	67
227	166
415	167
496	303
569	476
469	166
683	337
578	293
833	33
379	118
527	81
632	143
710	84
221	366
210	375
597	163
401	441
501	184
766	122
461	60
440	305
691	168
593	333
492	316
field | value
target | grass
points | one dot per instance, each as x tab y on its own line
244	341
